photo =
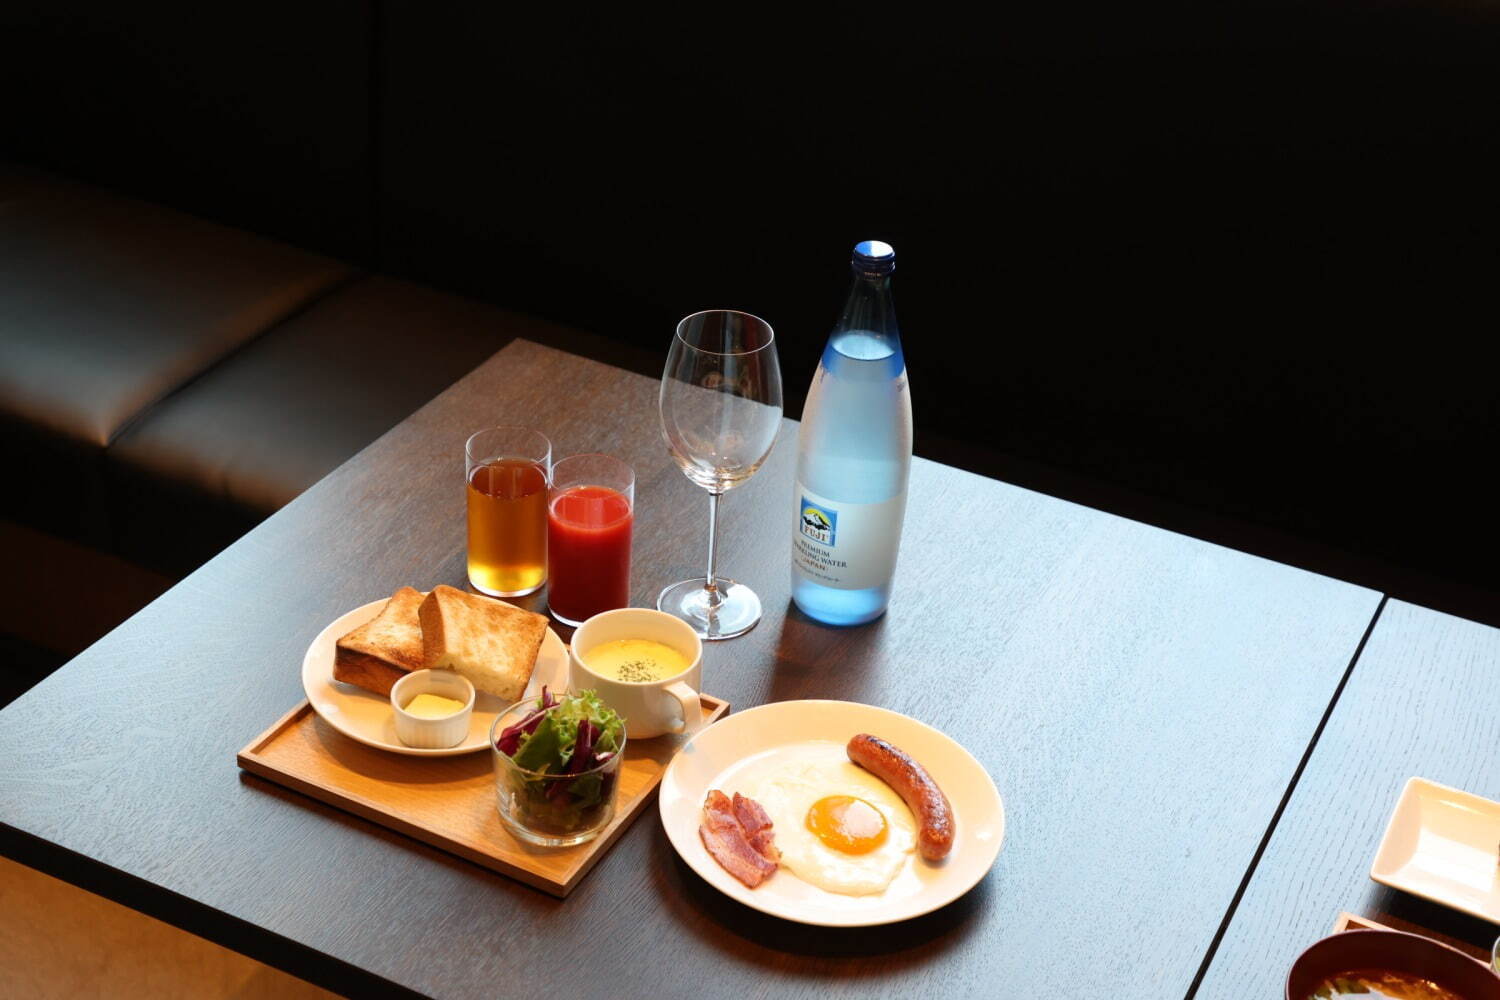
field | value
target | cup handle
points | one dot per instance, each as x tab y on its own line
692	708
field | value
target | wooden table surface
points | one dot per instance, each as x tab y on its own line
1423	700
1141	699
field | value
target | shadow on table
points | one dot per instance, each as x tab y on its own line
814	660
382	765
1419	916
727	925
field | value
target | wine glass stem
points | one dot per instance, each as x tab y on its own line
711	579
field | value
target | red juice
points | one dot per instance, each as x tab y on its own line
588	552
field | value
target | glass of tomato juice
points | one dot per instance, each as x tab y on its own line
590	515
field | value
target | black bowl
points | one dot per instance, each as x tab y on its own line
1396	951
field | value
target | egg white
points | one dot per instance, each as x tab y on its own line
787	785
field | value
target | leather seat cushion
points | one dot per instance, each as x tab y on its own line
107	306
238	443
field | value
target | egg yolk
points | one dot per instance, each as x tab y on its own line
847	824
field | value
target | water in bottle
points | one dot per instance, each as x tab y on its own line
854	456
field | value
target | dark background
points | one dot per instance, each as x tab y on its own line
1229	267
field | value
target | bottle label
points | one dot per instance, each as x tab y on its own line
848	546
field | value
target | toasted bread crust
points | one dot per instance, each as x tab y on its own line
380	652
365	671
431	617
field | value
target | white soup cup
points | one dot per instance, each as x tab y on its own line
650	708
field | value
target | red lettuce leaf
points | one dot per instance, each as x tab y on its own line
510	737
582	760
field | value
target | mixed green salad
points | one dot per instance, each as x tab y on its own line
562	748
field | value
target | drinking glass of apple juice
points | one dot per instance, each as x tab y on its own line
508	470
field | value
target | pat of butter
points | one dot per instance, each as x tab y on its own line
433	706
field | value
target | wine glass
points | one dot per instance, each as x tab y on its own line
720	411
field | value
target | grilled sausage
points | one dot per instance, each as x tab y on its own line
926	800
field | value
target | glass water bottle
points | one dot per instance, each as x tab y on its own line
854	456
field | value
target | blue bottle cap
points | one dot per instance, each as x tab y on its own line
874	257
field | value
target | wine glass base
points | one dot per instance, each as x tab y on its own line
737	612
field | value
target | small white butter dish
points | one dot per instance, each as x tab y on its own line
432	734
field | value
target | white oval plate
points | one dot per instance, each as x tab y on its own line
366	717
714	757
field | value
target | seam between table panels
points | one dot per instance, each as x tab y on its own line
1265	840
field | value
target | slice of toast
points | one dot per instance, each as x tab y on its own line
384	649
491	643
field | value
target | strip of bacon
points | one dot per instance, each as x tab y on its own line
757	827
726	839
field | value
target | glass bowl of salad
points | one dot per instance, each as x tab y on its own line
557	767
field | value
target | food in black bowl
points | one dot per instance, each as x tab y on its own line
1388	965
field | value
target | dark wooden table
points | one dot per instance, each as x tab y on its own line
1142	700
1424	701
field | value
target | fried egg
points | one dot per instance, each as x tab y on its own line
837	826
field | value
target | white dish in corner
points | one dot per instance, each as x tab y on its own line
1444	845
714	757
368	718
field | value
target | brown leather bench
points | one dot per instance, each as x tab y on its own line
166	382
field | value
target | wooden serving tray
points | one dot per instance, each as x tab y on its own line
448	802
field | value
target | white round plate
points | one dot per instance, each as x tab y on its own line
719	753
366	717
